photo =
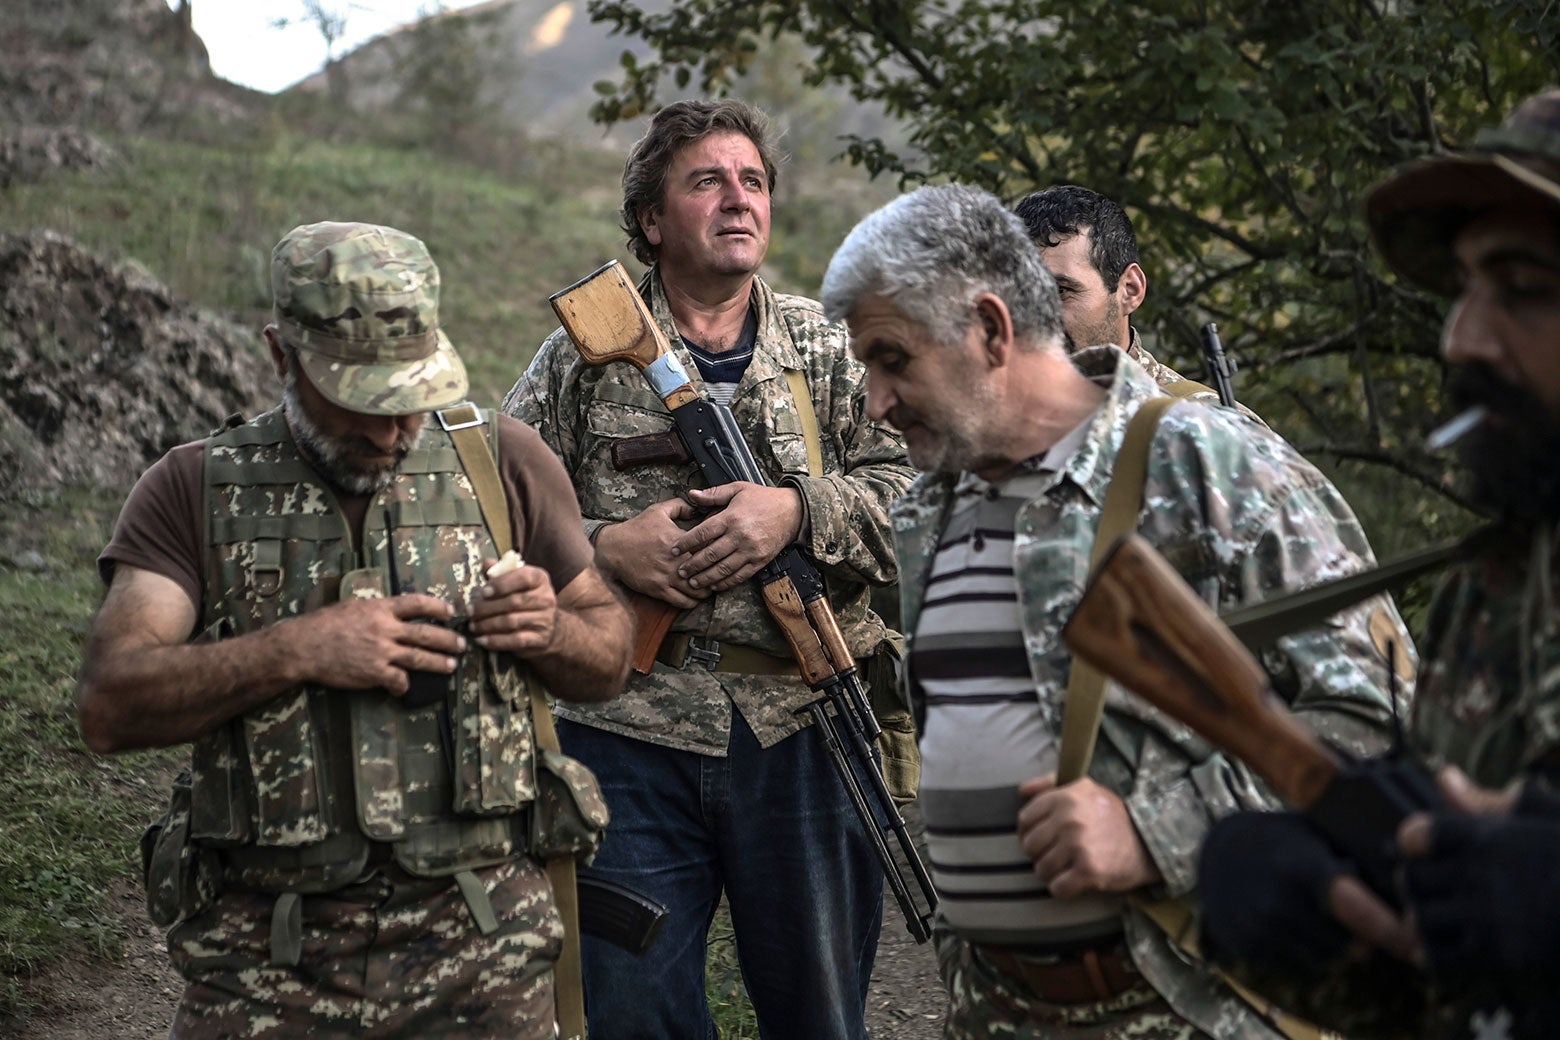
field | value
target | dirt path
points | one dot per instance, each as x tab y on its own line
134	998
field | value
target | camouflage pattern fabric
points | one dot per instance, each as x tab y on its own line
1241	516
276	549
1160	373
360	302
988	1004
1490	682
580	411
391	956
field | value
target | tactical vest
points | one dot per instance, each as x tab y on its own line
296	792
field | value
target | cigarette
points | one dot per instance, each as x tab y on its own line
506	563
1457	428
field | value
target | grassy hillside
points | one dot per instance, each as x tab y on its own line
68	828
203	218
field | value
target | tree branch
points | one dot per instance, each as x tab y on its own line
1382	457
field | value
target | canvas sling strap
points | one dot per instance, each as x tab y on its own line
464	423
1118	516
1086	698
809	420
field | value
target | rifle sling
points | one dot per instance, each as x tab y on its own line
1118	517
808	418
465	426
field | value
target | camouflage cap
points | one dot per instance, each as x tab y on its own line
1415	215
360	303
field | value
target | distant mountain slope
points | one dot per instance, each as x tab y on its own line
541	58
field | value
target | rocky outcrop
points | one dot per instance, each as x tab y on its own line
33	153
102	369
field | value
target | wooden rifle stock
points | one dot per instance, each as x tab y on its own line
1140	624
608	320
652	620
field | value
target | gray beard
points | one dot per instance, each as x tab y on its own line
328	455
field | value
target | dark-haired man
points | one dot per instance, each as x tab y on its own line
711	787
1087	243
1479	885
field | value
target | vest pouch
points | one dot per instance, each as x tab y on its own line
181	875
897	744
493	740
570	813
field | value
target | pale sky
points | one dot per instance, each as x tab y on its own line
246	48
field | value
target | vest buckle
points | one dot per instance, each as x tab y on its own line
705	652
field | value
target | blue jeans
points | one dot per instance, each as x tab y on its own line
774	829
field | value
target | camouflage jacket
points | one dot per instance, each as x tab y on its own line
581	410
1489	685
1242	517
1162	374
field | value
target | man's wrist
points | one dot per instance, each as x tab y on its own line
804	523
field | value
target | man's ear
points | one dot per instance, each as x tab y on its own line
996	327
648	223
273	339
1132	289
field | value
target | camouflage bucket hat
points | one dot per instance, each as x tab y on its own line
1415	214
360	302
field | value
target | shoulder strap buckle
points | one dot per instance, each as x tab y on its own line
460	416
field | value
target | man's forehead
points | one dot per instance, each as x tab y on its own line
718	146
1510	234
1069	255
877	324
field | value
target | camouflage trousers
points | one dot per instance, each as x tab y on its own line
985	1003
390	956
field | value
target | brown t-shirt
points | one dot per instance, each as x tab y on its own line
159	528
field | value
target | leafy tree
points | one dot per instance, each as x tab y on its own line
1241	134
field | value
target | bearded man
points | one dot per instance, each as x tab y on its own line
1473	948
310	599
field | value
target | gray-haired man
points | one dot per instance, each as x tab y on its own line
959	326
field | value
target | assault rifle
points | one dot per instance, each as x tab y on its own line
1221	368
608	321
1140	624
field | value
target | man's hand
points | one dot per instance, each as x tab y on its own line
1462	795
360	644
1081	838
1482	887
640	554
1275	896
754	523
516	611
144	684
